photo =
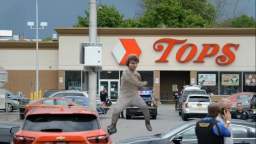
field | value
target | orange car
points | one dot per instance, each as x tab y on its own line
42	103
61	125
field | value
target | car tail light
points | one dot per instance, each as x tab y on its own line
99	139
23	140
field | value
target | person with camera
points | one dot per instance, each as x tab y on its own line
209	130
225	117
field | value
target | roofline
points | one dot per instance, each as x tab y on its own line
29	45
159	31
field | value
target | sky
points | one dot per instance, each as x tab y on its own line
14	14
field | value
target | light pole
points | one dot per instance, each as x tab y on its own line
32	25
93	43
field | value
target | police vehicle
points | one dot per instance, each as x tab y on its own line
147	94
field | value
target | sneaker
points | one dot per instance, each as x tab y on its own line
148	126
111	130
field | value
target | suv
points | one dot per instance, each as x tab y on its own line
61	125
188	90
195	105
147	95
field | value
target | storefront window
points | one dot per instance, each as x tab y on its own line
208	81
249	82
230	83
73	80
147	76
109	81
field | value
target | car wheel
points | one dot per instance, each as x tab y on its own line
9	108
184	117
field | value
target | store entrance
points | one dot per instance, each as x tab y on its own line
112	87
170	81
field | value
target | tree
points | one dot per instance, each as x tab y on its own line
241	21
177	13
108	16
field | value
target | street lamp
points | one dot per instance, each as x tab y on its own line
35	26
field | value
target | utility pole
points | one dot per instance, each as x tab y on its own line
92	41
32	25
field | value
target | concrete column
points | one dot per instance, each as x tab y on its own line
156	86
193	77
61	79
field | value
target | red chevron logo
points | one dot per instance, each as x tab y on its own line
124	49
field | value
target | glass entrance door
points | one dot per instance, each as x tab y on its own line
112	87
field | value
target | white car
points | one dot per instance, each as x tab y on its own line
196	105
69	93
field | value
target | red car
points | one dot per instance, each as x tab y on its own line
244	98
61	125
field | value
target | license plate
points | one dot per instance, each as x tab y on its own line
61	143
199	105
56	143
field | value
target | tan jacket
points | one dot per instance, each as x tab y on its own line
130	83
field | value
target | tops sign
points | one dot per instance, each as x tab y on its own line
186	52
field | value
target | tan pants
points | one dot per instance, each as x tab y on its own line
124	102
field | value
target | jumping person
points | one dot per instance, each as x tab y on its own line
130	84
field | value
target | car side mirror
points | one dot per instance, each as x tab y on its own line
177	139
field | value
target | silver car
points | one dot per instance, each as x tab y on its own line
242	132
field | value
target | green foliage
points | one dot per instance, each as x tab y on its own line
108	16
239	22
166	13
177	13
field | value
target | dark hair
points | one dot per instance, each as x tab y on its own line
132	58
213	110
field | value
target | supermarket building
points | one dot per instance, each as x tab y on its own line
222	60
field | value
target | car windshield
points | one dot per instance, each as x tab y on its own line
186	93
55	102
198	99
67	94
190	92
82	101
61	123
48	93
244	99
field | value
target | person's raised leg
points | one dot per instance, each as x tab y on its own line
117	109
139	102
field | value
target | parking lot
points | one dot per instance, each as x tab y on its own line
167	119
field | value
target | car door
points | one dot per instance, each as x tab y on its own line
243	134
187	136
